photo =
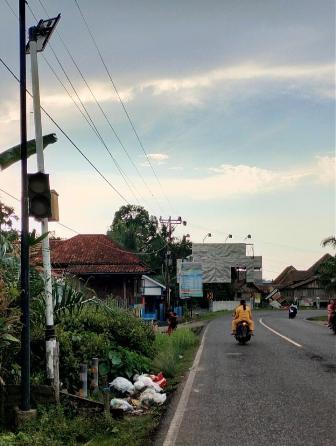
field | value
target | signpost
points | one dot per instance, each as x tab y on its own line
191	280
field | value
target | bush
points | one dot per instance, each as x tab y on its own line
102	332
56	427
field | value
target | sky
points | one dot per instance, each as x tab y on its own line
232	102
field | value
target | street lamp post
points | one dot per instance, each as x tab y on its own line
25	334
170	223
207	235
38	39
228	236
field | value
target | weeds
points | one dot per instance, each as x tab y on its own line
170	349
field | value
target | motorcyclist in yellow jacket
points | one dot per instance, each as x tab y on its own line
242	313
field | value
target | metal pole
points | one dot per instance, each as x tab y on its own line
25	334
50	331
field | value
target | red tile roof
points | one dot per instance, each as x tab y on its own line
92	254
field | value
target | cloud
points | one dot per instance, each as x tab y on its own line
240	181
102	91
325	169
316	80
311	77
224	182
158	158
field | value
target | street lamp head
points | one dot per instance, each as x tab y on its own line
207	235
42	32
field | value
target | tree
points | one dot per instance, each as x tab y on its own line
7	218
133	228
139	232
329	241
327	275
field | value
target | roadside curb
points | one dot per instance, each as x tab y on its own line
168	415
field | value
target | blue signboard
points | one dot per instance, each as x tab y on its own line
191	280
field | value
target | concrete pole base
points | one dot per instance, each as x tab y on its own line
23	416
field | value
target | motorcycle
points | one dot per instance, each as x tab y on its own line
292	312
243	334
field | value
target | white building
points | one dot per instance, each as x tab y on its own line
219	260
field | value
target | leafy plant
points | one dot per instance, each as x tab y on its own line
327	275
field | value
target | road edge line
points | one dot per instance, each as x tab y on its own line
175	423
279	334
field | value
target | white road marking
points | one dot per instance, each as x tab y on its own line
279	334
182	404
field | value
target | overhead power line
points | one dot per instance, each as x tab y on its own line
101	109
68	137
100	243
121	101
86	115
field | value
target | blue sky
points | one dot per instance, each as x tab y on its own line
233	102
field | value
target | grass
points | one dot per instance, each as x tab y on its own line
174	358
171	349
61	427
318	318
132	431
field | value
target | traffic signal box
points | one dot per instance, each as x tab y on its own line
39	195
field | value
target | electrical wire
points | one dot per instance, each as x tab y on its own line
121	101
86	115
68	137
101	244
101	109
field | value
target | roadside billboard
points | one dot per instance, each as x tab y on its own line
191	280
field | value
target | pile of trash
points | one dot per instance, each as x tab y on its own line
144	392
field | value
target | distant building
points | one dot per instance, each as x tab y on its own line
227	262
302	286
152	293
108	268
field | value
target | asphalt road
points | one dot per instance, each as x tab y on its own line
268	392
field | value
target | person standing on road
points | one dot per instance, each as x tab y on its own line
242	313
331	310
172	322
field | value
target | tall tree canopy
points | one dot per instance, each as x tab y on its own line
140	232
134	228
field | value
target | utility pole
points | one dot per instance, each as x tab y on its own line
38	38
170	224
25	334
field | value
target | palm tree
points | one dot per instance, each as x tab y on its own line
329	241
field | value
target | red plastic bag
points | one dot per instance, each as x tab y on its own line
159	379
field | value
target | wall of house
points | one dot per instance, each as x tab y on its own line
219	305
122	287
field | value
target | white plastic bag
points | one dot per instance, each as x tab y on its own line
123	385
118	403
144	381
150	397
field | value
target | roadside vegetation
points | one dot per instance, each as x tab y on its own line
58	426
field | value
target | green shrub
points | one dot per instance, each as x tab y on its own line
102	332
56	427
121	326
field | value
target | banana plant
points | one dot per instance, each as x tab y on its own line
12	155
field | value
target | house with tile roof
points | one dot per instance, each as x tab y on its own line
303	286
107	267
